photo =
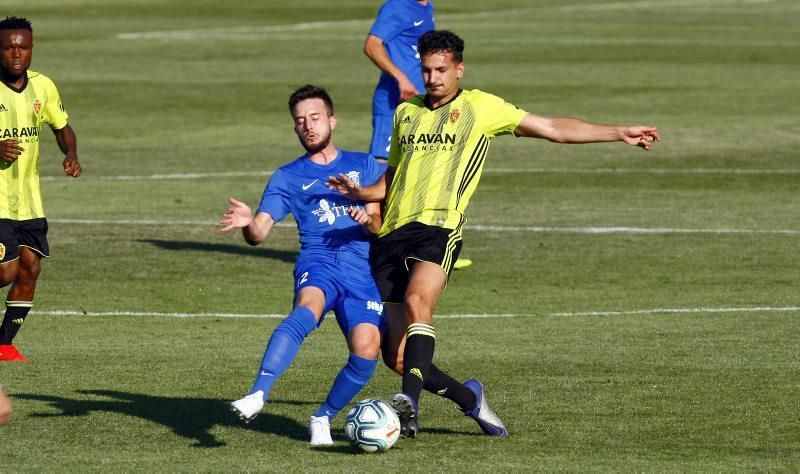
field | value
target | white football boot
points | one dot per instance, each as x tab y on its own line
249	407
319	429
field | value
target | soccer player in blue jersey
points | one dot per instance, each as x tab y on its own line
392	46
332	271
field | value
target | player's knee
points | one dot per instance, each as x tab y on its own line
365	341
369	351
30	271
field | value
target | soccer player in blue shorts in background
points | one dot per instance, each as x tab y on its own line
332	271
392	46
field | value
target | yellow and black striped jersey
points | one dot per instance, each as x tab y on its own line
22	113
439	154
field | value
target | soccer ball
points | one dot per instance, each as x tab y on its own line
372	425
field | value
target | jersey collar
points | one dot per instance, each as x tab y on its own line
24	85
330	165
428	104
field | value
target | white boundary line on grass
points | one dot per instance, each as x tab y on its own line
765	309
642	312
627	230
232	315
250	32
600	171
479	228
664	171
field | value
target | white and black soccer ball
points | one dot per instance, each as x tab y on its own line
372	425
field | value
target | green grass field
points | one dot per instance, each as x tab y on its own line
639	310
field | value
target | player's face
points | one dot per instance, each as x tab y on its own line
312	124
15	52
441	74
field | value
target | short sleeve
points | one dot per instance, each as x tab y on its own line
388	23
54	113
276	199
498	117
373	170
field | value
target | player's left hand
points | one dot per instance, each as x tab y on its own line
360	215
344	185
71	166
641	136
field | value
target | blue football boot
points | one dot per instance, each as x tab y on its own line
490	423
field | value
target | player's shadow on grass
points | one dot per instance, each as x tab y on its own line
179	245
190	418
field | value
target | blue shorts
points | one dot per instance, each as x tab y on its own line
350	291
385	99
381	135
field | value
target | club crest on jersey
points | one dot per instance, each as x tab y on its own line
37	108
454	115
354	177
2	251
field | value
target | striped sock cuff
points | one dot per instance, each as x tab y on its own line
19	304
420	329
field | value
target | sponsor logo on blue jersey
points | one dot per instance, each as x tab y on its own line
330	211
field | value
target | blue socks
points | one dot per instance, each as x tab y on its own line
348	383
283	347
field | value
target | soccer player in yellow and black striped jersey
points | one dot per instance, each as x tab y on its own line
27	100
439	143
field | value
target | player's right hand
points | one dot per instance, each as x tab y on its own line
237	216
10	150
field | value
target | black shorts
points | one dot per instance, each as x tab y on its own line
393	255
31	233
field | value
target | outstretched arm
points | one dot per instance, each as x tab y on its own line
68	144
373	193
572	130
254	229
374	49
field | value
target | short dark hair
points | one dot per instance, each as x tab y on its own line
15	23
445	41
310	91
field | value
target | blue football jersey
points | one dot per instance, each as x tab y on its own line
321	214
399	24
